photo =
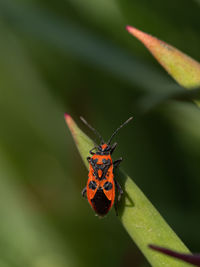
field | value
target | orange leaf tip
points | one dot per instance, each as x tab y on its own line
184	69
128	28
145	38
69	121
67	117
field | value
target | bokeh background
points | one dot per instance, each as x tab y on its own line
75	56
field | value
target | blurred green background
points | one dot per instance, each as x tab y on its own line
75	56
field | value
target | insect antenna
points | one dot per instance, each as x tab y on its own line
123	124
91	128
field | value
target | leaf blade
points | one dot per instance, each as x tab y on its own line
184	69
140	219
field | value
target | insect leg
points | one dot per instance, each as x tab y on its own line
119	190
113	148
91	152
120	193
84	191
117	162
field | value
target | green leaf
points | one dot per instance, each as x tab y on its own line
184	69
139	217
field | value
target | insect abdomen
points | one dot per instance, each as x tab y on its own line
101	203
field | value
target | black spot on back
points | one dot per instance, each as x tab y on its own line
108	186
92	185
106	161
93	162
103	167
101	203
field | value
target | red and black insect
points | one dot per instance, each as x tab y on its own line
100	190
